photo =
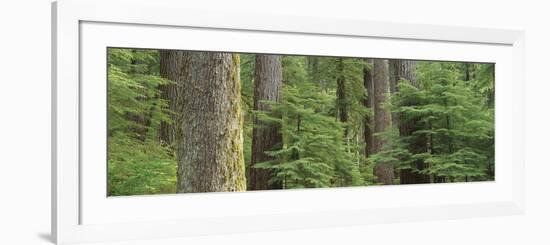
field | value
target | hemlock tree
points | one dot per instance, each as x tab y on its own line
314	153
268	80
209	140
349	109
451	118
405	71
137	163
382	118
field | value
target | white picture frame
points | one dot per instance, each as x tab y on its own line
81	212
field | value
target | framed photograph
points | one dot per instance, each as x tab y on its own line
210	122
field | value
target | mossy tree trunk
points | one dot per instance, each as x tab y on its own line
209	140
382	117
268	80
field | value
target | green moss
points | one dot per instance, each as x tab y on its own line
235	69
236	168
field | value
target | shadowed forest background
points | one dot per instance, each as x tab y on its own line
184	122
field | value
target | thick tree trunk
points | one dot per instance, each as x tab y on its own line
268	80
382	117
402	70
368	102
209	140
171	68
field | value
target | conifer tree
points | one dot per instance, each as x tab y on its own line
137	164
405	71
183	121
268	81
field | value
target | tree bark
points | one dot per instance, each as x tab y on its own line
402	70
368	102
268	80
171	68
209	140
382	117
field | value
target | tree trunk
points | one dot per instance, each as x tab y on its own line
209	140
402	70
171	64
368	102
382	117
268	80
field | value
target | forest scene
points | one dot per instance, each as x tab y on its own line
201	121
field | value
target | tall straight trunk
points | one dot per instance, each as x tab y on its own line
268	80
171	64
368	102
342	101
405	70
382	117
209	139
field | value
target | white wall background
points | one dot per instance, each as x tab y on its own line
25	122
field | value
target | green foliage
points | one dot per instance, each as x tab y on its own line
137	167
137	163
452	111
314	153
455	121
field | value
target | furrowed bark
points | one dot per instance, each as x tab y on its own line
171	68
382	117
209	140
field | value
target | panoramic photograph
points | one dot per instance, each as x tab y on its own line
184	121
